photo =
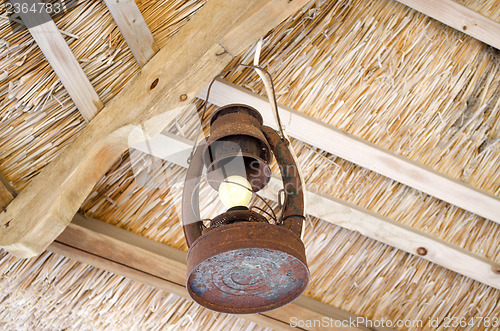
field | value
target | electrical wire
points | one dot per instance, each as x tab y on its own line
265	212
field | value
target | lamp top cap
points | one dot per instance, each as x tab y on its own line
236	108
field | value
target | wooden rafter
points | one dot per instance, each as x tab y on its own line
460	18
133	28
363	153
62	60
202	48
177	149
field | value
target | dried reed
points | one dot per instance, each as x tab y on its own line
52	292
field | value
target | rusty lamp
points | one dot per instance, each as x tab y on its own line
241	263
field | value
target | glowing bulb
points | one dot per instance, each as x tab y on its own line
235	191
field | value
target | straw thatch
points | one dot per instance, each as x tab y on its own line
57	293
376	69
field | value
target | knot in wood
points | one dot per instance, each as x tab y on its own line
422	251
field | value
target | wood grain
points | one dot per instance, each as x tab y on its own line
124	253
194	55
460	18
63	61
134	29
147	261
363	153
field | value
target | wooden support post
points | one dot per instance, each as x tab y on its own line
363	153
206	44
133	28
459	17
358	219
62	60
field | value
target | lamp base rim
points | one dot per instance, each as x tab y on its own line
246	267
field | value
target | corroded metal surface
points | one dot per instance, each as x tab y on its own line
247	267
191	220
292	215
236	132
243	264
233	215
237	108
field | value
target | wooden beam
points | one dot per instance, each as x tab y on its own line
201	49
358	219
134	29
460	18
113	249
62	60
363	153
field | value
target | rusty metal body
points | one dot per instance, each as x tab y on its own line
235	215
247	267
236	133
243	264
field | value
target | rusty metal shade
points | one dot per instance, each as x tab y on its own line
247	267
241	263
236	132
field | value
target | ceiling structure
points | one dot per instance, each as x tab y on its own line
376	95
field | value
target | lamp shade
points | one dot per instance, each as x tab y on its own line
237	147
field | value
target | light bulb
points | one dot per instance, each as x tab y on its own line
235	191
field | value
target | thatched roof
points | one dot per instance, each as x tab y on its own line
376	69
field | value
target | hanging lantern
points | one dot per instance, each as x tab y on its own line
240	262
